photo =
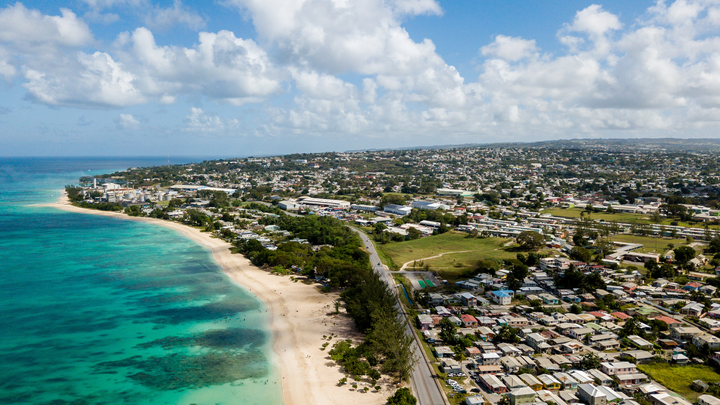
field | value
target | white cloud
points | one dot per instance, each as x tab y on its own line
510	48
24	27
7	70
660	75
127	121
322	86
416	7
595	21
91	80
349	36
369	90
167	99
221	67
103	4
199	121
351	68
164	18
45	51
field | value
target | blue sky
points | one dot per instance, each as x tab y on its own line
248	77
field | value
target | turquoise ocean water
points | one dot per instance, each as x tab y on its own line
97	310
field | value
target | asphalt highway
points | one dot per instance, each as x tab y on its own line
424	386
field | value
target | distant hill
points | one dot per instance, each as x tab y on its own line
666	144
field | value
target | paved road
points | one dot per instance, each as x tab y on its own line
423	383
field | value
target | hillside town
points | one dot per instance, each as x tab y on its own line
586	274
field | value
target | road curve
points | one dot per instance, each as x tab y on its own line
424	385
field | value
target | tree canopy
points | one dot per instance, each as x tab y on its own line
684	254
530	240
402	396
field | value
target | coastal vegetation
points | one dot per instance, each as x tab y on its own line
340	262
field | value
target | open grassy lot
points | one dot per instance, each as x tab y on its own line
650	244
679	378
403	252
451	265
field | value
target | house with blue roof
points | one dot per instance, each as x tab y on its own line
501	297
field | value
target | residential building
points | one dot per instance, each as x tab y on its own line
468	299
513	382
550	382
490	358
493	384
708	400
510	364
639	342
520	396
532	381
443	352
549	299
450	366
548	397
611	344
425	322
468	320
685	333
590	395
579	333
664	398
567	381
612	395
472	352
545	363
599	375
631	379
637	356
500	297
581	377
692	309
618	368
537	342
489	369
706	339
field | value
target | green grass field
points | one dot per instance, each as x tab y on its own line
451	265
679	378
402	252
650	244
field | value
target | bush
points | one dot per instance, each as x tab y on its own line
403	396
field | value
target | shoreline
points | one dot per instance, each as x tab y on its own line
299	319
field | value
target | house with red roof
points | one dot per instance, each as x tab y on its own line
668	321
469	321
473	352
604	316
621	316
692	286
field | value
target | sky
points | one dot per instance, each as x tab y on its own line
259	77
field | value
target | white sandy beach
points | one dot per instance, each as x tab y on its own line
301	315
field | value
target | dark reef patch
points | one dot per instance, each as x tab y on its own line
179	371
232	338
207	312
